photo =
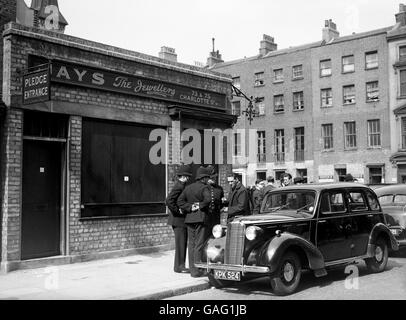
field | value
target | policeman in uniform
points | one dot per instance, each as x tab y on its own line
216	204
195	201
177	219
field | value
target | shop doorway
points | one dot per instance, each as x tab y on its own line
41	200
43	185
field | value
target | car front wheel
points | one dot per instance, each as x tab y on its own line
379	261
287	278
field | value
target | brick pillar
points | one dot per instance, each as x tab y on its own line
8	12
12	145
75	155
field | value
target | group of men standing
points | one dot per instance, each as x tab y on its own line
195	208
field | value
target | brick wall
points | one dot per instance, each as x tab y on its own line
11	185
7	13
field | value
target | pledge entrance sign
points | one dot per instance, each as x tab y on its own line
36	87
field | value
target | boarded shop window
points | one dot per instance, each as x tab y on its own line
45	125
118	178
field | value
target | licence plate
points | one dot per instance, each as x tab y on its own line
227	275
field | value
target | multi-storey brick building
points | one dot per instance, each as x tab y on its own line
397	93
324	108
77	177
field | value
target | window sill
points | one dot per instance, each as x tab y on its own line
298	110
401	97
298	78
349	104
350	149
259	85
373	68
327	150
278	81
374	148
326	76
326	107
372	101
279	112
347	72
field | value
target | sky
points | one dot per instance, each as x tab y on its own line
237	25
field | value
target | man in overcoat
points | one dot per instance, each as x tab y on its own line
177	219
195	201
238	201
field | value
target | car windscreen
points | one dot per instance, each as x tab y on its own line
289	202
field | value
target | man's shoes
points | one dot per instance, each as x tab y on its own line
182	270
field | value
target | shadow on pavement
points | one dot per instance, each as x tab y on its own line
262	286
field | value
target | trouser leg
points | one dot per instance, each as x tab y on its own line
202	234
180	248
191	228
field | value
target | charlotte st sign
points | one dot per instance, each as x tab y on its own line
134	85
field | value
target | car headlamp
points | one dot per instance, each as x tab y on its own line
218	231
252	232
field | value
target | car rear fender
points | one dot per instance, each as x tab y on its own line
381	231
273	251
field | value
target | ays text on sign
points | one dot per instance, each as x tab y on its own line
134	85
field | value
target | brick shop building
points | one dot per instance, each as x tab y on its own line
77	179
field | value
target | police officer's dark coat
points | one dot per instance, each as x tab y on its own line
239	202
197	192
176	219
216	194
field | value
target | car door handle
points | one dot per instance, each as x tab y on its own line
370	216
322	221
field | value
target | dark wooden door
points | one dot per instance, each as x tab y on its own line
41	199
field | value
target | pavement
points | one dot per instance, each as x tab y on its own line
138	277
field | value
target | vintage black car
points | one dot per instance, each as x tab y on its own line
312	227
393	201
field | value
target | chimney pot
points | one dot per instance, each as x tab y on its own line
168	53
267	45
330	31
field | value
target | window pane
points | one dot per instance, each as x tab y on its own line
402	53
357	202
403	82
298	102
373	91
325	68
279	103
371	60
348	64
350	135
326	97
278	75
349	94
297	71
259	79
236	108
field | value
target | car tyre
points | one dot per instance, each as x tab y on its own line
287	278
379	261
217	283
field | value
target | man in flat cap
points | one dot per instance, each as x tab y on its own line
177	219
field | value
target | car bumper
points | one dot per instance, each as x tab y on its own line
230	267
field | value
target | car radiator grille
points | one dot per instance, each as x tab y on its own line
234	243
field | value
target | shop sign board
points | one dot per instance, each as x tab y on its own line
134	85
36	87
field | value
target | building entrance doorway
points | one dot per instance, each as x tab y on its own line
41	201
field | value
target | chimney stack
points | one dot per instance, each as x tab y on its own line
169	54
330	31
267	45
215	57
401	16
